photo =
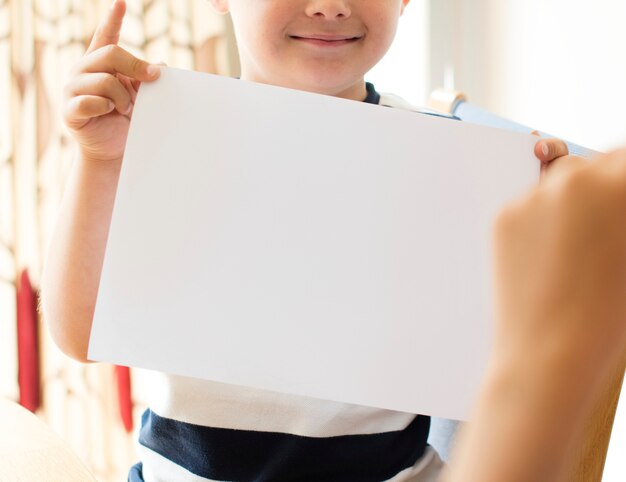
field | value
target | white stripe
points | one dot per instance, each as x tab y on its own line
397	102
228	406
157	468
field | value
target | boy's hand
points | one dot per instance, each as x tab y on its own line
549	150
100	95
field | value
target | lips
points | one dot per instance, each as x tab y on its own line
326	39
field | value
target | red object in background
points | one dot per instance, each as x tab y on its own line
124	397
27	344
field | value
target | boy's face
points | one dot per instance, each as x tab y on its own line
323	46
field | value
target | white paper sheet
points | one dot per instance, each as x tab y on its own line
307	244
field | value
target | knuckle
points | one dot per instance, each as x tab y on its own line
106	82
81	104
136	65
556	148
110	50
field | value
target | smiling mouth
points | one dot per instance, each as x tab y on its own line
326	40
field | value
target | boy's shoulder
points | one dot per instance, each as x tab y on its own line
395	101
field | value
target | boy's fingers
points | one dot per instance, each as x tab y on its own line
79	110
101	84
128	85
108	32
114	59
548	150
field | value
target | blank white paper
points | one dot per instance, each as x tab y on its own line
306	244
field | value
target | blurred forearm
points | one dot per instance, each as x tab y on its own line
526	425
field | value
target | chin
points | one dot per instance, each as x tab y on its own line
329	83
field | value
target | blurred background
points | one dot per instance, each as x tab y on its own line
556	65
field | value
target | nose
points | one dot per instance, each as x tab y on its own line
329	9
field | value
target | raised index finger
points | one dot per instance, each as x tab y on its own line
108	32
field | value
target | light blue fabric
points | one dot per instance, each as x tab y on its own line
470	113
442	434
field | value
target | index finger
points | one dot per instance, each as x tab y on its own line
108	32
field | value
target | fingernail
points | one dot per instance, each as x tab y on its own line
130	107
152	70
545	149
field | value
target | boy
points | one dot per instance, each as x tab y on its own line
208	431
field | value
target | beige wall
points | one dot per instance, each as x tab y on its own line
558	65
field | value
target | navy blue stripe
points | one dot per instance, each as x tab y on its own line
373	97
441	114
241	455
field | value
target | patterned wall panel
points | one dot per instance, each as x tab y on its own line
40	41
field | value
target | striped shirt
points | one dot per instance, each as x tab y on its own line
198	430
